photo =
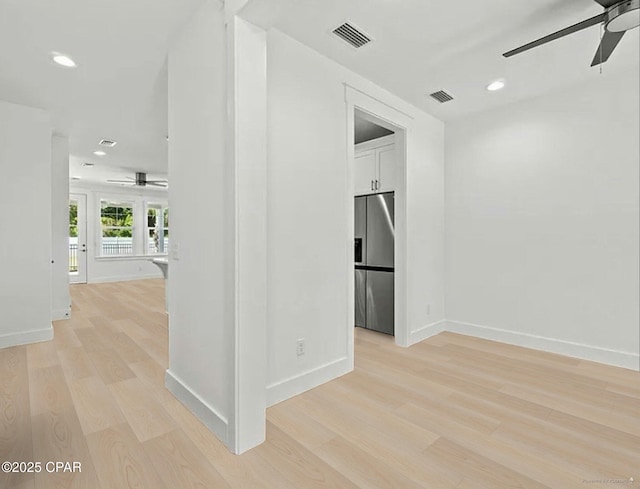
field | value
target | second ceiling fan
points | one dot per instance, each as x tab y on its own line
618	17
141	181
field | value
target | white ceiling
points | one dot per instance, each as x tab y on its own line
426	45
118	91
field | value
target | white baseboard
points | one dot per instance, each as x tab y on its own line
205	413
562	347
60	314
427	331
123	278
287	388
27	337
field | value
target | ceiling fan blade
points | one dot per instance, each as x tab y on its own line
121	181
156	181
609	42
556	35
607	3
157	184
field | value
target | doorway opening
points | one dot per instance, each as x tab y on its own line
377	135
374	230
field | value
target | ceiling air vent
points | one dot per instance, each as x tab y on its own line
347	32
441	96
108	143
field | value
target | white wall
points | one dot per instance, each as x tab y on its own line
425	253
112	269
542	222
308	211
60	300
201	288
25	225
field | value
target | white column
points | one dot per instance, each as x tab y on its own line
25	225
217	162
247	92
61	301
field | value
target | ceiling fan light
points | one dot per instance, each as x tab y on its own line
624	17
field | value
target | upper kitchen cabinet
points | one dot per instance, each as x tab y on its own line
375	166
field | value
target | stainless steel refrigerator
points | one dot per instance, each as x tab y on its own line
374	261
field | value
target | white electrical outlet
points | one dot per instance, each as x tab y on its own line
300	349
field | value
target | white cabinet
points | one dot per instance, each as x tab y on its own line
386	164
375	166
365	171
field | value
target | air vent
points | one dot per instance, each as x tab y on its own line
347	32
441	96
108	143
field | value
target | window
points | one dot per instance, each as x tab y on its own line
165	219
117	227
157	229
73	236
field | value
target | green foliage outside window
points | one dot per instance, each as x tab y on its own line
158	227
114	217
73	220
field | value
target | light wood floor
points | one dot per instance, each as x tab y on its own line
451	412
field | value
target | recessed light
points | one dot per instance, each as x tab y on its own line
100	153
76	178
86	163
63	60
496	85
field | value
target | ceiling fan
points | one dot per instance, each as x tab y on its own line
618	17
141	181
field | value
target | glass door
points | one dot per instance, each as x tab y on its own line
77	239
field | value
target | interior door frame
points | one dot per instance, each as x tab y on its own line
81	276
396	120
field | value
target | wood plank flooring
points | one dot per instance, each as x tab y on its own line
450	412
